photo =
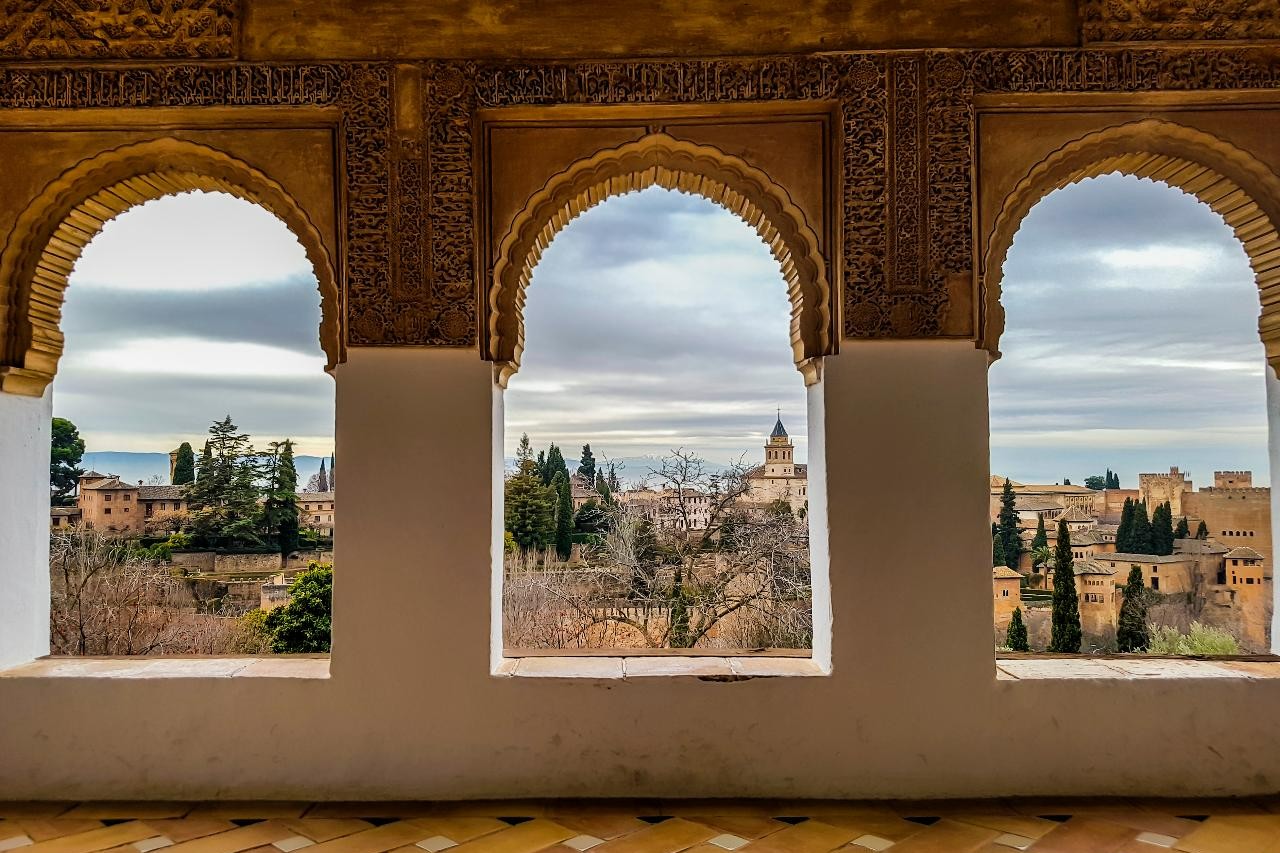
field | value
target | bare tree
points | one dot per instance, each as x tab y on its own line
695	563
109	599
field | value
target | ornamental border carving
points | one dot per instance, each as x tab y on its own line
661	160
1152	20
1231	181
119	29
53	230
406	269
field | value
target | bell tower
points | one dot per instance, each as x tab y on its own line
779	452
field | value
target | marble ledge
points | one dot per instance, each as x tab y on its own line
1133	669
177	667
628	668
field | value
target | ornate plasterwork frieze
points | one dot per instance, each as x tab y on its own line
118	29
1184	20
905	155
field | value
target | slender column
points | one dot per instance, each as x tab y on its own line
24	527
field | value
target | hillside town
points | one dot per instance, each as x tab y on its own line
229	556
1202	558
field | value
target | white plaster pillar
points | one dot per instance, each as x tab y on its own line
908	459
1273	458
24	527
413	560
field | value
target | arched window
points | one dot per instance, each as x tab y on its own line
1130	347
193	374
657	352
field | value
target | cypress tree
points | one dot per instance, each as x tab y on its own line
280	503
587	464
1141	537
1183	530
1016	637
1202	531
1131	634
564	515
1124	533
1162	530
1011	540
1066	635
184	465
555	465
614	481
603	489
1113	479
997	552
206	457
1041	539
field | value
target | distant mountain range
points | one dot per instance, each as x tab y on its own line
132	467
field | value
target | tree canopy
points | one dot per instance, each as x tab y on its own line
65	452
1066	634
305	624
184	465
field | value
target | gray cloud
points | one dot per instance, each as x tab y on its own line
1131	339
281	313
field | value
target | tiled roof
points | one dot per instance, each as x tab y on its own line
1035	504
1244	552
161	493
779	431
64	511
1092	567
997	482
1074	513
88	474
1087	537
111	484
758	471
1144	558
315	496
999	572
1198	546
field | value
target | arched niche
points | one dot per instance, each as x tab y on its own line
53	230
658	159
1243	191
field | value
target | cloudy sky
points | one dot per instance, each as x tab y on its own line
658	320
184	310
655	321
1131	341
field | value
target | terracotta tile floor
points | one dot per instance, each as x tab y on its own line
616	826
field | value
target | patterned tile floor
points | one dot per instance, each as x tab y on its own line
614	826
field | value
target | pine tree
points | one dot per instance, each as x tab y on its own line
1010	536
1183	530
997	552
1041	539
1162	530
224	497
1202	531
524	450
184	465
1131	634
528	507
587	464
541	465
65	452
1141	536
564	515
1124	533
1016	637
1066	634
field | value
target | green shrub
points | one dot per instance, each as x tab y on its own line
304	624
1200	639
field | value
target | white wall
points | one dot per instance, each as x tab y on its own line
912	708
24	527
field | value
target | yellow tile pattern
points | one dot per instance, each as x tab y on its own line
647	826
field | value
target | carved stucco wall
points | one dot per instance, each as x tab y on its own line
408	270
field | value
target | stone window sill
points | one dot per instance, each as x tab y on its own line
306	667
1134	669
652	666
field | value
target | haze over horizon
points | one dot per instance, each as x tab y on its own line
659	320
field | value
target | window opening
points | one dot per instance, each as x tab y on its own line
192	384
653	499
1128	415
